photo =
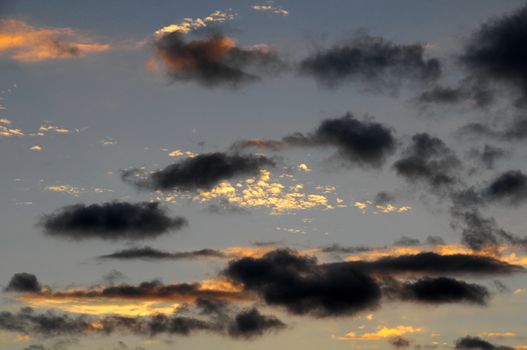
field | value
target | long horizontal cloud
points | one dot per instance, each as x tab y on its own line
200	172
371	60
443	290
148	253
213	61
23	42
110	221
363	142
244	324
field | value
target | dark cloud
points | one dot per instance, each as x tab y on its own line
444	290
147	290
407	242
23	282
338	249
427	159
432	263
471	93
481	233
251	323
298	283
213	61
509	187
475	343
371	60
200	172
244	324
224	207
399	342
434	240
496	52
148	253
111	221
383	198
364	142
488	155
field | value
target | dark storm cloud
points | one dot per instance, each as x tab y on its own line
371	60
432	263
443	290
383	198
148	253
111	221
200	172
475	343
213	61
399	342
496	51
364	142
427	159
251	323
23	282
245	324
299	284
509	187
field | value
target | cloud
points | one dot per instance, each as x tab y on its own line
25	43
495	51
110	221
251	323
244	324
383	332
190	24
443	290
301	286
433	263
509	187
469	92
23	282
363	142
200	172
427	159
279	10
399	342
148	253
475	343
371	60
215	61
489	155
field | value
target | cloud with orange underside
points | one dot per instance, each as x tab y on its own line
26	43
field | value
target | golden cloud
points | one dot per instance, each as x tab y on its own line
25	43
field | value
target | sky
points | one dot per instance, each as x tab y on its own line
259	174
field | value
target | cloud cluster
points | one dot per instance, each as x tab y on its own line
475	343
111	221
200	172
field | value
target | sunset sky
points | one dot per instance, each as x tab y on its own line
291	174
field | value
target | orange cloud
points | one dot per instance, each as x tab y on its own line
25	43
382	333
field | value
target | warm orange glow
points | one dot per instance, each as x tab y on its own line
383	332
30	44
